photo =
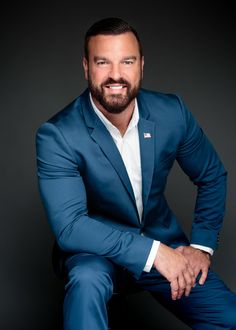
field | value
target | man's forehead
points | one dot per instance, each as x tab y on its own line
102	39
102	44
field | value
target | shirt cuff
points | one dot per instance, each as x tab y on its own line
203	248
152	256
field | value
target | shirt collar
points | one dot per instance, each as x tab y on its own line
111	128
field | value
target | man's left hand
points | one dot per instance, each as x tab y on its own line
199	261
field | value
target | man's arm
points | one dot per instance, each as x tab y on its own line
64	197
198	159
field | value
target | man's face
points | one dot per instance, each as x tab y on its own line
114	70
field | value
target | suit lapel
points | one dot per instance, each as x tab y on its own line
102	137
146	140
147	148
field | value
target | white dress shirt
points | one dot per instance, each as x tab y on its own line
128	146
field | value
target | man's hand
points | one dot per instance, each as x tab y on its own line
198	260
176	269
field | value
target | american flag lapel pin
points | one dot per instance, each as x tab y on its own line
147	135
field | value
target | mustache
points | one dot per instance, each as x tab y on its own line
112	81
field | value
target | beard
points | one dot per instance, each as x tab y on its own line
115	103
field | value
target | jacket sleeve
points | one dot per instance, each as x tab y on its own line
198	159
64	198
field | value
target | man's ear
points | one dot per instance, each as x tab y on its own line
142	65
85	66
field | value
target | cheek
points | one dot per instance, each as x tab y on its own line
135	78
133	75
97	76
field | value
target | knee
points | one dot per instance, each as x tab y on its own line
230	315
89	280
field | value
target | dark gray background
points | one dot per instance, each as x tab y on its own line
189	49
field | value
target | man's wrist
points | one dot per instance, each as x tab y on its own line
207	249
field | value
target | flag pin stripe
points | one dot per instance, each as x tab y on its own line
147	135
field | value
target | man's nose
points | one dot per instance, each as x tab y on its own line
115	72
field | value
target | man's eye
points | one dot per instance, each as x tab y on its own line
101	62
128	62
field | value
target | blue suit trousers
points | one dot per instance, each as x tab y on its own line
90	285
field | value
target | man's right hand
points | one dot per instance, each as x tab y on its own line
176	269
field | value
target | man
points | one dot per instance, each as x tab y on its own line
103	163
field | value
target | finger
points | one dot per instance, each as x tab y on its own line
190	276
187	290
196	272
203	276
190	282
182	286
174	289
191	271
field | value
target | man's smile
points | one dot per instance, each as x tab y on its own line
115	88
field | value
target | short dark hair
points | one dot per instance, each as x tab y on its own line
109	26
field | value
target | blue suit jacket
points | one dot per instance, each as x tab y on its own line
87	193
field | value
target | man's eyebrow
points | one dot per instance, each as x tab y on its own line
103	58
100	58
130	58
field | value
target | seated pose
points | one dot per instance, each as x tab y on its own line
103	163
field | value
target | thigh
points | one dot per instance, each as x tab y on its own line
86	262
89	286
209	306
89	269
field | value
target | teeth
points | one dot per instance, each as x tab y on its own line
115	87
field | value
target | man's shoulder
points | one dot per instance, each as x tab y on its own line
156	96
68	122
157	105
